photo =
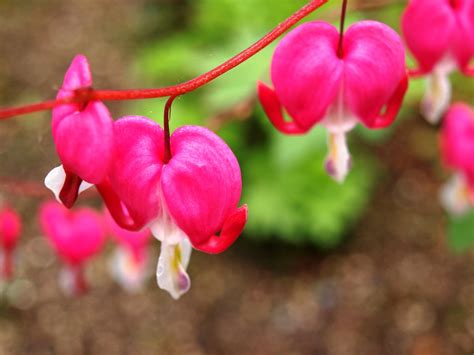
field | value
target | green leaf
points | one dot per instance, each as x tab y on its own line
461	232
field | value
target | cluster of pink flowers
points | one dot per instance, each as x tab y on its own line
318	79
440	34
77	236
184	188
189	200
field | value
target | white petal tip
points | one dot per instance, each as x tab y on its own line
454	196
55	182
339	162
127	272
171	272
437	96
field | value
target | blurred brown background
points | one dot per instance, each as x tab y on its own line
392	288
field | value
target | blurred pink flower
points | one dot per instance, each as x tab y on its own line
129	265
457	149
10	229
440	34
83	134
77	236
192	199
315	84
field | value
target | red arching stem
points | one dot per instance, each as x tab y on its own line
176	90
340	49
166	127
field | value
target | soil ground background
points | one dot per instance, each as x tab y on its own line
392	288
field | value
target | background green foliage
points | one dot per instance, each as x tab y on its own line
290	197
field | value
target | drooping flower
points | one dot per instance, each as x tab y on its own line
76	236
83	135
190	200
316	83
130	262
457	149
10	229
440	34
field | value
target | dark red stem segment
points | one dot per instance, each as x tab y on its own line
166	127
7	267
179	89
340	49
80	284
70	190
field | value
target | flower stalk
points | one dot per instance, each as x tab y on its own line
89	94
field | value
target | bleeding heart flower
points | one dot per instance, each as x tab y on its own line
191	199
77	236
10	229
457	149
315	83
440	34
129	265
83	134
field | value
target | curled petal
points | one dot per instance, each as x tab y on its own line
272	106
135	176
307	73
117	209
201	184
468	70
371	84
231	230
392	107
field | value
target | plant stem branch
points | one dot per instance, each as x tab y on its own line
82	96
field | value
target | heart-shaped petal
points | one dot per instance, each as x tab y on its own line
136	172
76	235
307	73
201	184
374	60
457	139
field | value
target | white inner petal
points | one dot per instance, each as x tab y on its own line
338	117
55	182
338	121
175	254
67	281
338	162
438	91
127	271
171	271
454	196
